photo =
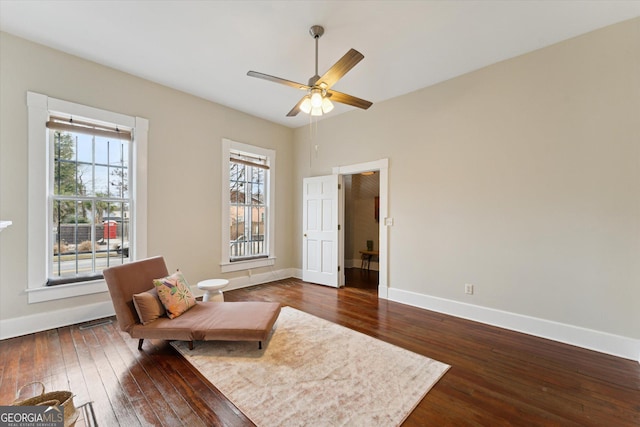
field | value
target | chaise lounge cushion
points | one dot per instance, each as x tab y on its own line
225	321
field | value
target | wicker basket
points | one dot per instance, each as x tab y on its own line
52	398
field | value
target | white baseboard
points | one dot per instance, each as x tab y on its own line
30	324
254	279
258	279
602	342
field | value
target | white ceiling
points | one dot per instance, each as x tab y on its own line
205	48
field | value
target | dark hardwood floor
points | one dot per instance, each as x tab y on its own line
361	278
497	377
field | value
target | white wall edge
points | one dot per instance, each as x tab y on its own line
33	323
602	342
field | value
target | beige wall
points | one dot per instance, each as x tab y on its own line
522	178
184	176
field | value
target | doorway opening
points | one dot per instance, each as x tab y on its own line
362	230
381	168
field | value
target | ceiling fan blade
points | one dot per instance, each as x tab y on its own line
278	80
343	98
340	68
295	110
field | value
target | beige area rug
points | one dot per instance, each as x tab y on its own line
316	373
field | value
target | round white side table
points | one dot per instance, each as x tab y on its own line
212	289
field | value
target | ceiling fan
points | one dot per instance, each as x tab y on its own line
319	95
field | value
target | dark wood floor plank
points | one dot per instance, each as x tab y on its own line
207	401
153	351
27	361
498	377
156	401
110	379
134	394
75	375
58	379
106	413
11	373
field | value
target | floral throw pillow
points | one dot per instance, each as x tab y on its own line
174	294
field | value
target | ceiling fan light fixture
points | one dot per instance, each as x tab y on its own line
316	98
316	111
305	107
327	105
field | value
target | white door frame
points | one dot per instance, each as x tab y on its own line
382	166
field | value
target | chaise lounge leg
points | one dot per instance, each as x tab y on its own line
190	345
259	345
140	344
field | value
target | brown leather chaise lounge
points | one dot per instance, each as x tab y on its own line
225	321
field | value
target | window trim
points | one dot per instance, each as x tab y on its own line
225	264
40	107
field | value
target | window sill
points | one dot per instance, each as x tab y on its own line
50	293
247	265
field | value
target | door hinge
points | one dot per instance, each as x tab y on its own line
338	268
339	186
338	227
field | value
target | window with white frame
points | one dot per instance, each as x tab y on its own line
87	195
248	200
89	198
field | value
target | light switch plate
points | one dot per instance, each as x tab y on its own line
388	221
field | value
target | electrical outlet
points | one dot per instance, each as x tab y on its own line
249	272
468	289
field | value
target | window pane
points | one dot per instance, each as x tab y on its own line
233	216
64	152
102	150
259	221
118	152
82	247
258	194
236	183
73	247
257	175
84	147
100	185
116	232
118	182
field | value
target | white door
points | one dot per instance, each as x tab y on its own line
320	245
